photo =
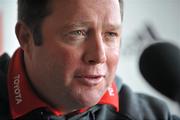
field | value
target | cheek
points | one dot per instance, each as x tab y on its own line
57	62
66	62
112	62
113	58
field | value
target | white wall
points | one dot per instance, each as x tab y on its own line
164	15
8	8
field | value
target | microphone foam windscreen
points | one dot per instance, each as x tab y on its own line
160	66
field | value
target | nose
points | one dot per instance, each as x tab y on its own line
95	52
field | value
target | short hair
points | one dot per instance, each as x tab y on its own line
33	12
121	2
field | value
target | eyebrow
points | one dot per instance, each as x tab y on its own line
75	25
113	26
88	23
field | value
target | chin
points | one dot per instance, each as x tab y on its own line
88	96
89	103
90	99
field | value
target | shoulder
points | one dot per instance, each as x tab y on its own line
4	61
141	106
4	109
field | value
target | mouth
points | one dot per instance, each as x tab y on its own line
90	80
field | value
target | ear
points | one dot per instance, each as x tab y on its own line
25	37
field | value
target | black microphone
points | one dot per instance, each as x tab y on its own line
160	65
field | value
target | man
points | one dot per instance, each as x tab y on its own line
65	66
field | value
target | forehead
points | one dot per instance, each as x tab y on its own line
87	10
64	3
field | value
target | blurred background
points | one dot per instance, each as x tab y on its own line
145	22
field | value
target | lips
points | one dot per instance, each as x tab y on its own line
90	80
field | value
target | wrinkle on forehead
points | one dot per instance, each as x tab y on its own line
87	12
102	5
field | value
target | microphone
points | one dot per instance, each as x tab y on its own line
160	66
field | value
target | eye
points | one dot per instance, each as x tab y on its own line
75	36
78	33
112	34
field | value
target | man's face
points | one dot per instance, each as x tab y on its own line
78	58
